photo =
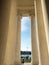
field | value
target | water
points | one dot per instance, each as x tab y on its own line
25	55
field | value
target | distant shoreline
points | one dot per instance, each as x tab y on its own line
26	52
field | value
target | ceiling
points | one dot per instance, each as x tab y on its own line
25	3
25	6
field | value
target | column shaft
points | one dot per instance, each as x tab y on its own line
18	59
35	60
11	38
5	6
42	32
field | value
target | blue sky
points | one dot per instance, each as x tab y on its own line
25	34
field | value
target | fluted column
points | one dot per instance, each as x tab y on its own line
18	44
35	60
9	58
42	32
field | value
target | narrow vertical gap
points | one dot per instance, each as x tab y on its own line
47	6
26	40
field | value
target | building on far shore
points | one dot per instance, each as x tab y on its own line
25	54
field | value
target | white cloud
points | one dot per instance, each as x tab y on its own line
24	23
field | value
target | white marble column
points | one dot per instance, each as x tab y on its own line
18	44
35	60
42	32
9	58
45	17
